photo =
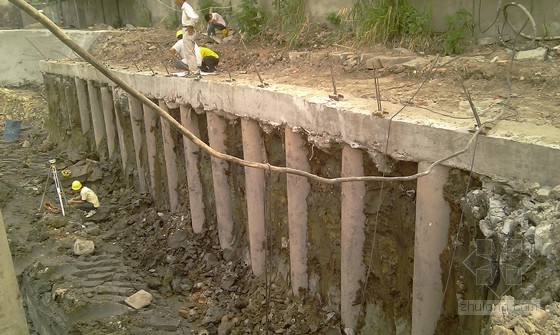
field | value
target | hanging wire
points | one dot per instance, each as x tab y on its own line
379	203
461	219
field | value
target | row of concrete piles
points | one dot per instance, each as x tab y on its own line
99	115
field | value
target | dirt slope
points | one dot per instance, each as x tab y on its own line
531	84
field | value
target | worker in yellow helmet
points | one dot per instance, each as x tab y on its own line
87	199
206	58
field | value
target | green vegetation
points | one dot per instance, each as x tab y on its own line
392	22
334	19
459	33
291	19
250	18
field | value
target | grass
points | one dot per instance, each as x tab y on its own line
390	22
459	33
250	19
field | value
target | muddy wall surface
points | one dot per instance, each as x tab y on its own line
10	17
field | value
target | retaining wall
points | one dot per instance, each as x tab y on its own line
21	51
380	272
483	13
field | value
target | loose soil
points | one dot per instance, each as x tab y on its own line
527	88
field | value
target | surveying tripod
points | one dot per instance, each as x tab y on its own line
59	190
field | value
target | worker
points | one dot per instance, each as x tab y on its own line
215	22
178	53
188	20
206	59
209	60
87	199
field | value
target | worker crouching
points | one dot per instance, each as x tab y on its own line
87	200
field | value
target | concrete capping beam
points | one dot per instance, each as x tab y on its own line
350	121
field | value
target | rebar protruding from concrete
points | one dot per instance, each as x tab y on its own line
352	236
137	120
150	127
12	315
298	188
377	90
97	119
253	150
109	119
431	233
222	195
332	78
170	161
471	104
81	92
263	84
189	120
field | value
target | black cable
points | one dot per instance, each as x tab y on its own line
493	22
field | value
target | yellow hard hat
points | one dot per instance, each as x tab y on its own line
66	173
76	185
179	33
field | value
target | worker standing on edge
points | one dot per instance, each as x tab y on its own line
188	20
87	200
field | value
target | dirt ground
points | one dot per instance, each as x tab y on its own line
434	87
214	295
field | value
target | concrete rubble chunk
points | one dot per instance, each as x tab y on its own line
416	64
213	315
555	192
83	247
496	213
530	233
139	299
538	54
501	330
543	239
366	55
488	40
528	326
486	228
542	194
509	226
537	314
385	61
